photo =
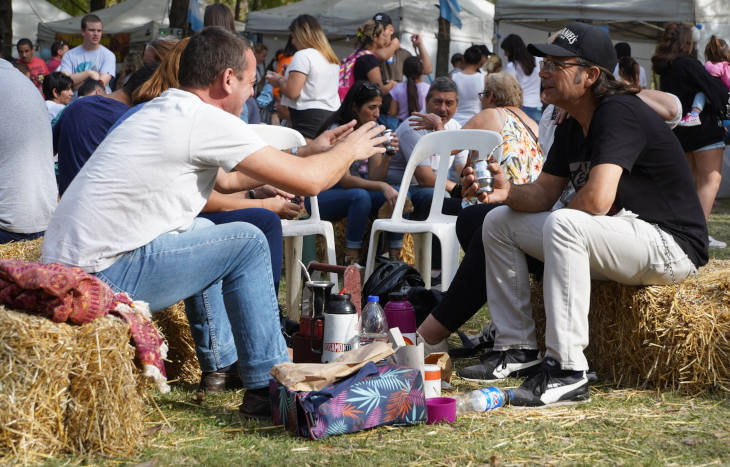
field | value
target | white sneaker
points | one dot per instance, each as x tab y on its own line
690	120
715	243
428	349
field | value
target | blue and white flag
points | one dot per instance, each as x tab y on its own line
450	11
195	17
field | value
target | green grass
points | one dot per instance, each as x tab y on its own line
619	426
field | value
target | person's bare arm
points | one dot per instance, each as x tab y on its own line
664	104
79	78
422	53
292	85
375	76
386	52
351	181
325	141
427	177
599	193
232	182
219	202
308	176
104	78
538	196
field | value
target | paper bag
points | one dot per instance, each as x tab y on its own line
443	360
315	376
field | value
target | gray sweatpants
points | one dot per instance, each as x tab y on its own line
576	247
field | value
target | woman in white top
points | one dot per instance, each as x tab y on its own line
525	67
469	82
309	87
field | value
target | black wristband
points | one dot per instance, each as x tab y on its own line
251	194
456	191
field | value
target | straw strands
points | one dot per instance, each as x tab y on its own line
181	363
659	336
67	388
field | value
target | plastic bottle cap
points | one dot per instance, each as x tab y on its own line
373	298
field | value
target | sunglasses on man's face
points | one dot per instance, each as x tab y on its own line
552	65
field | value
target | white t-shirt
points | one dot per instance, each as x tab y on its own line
320	89
53	109
642	75
79	59
151	175
28	190
469	87
530	83
407	139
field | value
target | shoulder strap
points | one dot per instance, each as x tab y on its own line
532	133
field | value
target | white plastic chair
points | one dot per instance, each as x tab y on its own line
293	231
441	225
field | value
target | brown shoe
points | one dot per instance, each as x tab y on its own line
218	381
256	403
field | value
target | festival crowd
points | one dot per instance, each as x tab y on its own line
143	177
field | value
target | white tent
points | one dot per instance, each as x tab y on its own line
26	16
341	18
141	19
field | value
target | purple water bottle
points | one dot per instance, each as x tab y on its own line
400	314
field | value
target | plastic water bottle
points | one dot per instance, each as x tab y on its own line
481	400
373	325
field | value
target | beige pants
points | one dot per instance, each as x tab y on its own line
576	247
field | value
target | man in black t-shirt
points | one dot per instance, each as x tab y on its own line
635	219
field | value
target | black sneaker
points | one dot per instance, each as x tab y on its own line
552	386
499	364
472	345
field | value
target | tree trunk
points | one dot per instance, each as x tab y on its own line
97	5
6	17
179	14
442	51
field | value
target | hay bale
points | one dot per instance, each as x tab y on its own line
36	356
106	408
68	388
659	336
182	362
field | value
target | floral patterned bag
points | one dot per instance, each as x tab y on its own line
383	394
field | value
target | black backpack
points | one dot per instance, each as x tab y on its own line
390	276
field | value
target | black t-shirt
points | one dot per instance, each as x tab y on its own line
656	183
685	78
363	65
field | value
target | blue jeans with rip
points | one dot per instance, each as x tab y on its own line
229	261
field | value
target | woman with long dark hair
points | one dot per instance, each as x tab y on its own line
682	75
309	86
409	96
360	193
524	66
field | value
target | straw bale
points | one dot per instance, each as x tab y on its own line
106	409
68	388
182	362
36	356
27	250
340	229
659	336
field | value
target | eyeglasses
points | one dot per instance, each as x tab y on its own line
483	94
552	65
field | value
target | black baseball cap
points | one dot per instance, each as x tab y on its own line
382	18
580	40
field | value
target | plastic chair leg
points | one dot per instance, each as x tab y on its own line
449	260
372	252
292	253
422	247
329	236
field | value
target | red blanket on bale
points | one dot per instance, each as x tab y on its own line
65	293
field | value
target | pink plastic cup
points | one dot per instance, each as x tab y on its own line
440	409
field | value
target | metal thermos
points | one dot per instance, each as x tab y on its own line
341	333
307	342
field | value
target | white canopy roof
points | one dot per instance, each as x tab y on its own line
140	18
626	19
28	13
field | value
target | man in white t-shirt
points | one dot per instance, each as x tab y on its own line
442	101
129	216
90	59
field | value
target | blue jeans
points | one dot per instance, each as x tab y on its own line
7	237
229	261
